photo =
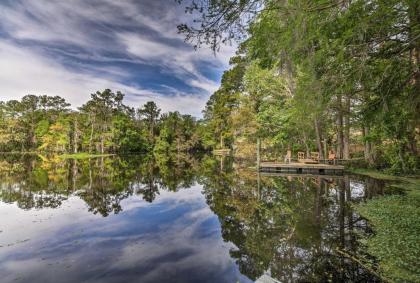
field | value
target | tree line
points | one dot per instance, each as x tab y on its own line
316	76
104	124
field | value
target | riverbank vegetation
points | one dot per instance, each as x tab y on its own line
103	125
396	221
316	76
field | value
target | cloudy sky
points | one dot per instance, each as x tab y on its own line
73	48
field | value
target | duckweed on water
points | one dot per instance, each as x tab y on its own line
396	223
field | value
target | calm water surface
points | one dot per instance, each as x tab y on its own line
144	219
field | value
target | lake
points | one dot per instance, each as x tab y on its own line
184	219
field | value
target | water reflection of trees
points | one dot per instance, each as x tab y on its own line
27	184
288	226
33	182
291	227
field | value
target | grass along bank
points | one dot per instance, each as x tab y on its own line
83	155
396	223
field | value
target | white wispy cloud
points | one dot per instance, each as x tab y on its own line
73	48
181	62
25	72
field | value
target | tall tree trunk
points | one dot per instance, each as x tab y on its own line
75	136
401	157
30	138
368	146
318	137
102	145
102	139
414	17
305	142
325	149
151	131
346	137
32	135
258	152
91	136
339	125
412	141
33	139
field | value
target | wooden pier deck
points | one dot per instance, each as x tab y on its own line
321	169
223	151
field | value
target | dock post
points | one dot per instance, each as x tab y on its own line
325	150
259	184
258	153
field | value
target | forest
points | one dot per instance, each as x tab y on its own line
315	76
103	125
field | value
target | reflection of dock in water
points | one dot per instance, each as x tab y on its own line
300	175
301	168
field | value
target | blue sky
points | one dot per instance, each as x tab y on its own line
75	47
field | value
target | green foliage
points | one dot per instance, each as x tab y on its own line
56	139
177	133
103	125
150	114
217	119
316	72
127	136
396	222
42	128
267	95
25	122
163	143
351	72
100	111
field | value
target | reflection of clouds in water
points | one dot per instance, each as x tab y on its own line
183	239
180	242
171	199
18	224
175	237
357	189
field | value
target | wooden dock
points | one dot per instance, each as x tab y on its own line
301	168
223	151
